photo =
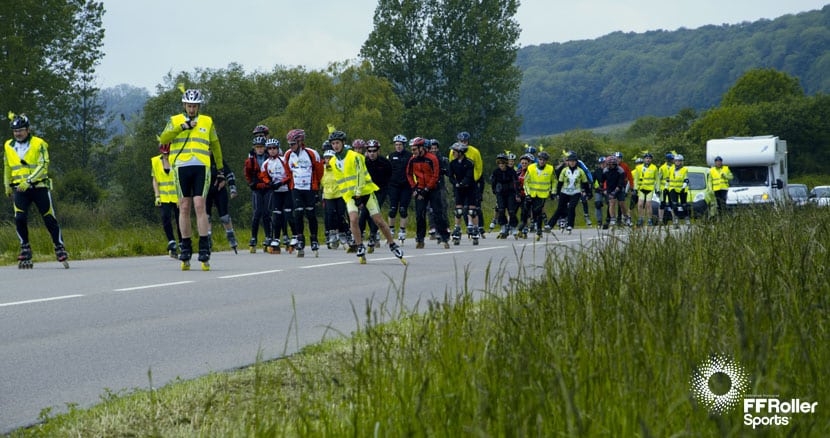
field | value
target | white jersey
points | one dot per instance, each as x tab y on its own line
300	165
571	177
276	170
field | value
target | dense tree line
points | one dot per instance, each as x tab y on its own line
623	76
452	63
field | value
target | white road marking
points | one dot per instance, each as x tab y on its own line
39	300
250	274
323	265
150	286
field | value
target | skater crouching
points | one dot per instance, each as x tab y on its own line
358	191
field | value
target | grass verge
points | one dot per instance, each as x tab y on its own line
604	343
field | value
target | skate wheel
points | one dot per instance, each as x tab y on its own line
253	250
403	261
475	242
205	266
316	254
185	266
370	249
300	254
65	264
362	260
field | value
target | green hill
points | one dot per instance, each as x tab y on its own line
622	76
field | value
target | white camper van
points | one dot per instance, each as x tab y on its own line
759	165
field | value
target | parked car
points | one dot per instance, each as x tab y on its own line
820	195
797	194
701	196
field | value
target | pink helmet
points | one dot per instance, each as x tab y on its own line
358	143
297	135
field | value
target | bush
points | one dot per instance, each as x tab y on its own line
78	186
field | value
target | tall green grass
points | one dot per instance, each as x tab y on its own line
603	343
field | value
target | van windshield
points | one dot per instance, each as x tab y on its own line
750	176
697	181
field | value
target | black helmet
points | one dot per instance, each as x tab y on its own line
20	121
543	156
338	135
571	157
463	136
259	141
501	157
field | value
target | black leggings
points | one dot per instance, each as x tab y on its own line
42	198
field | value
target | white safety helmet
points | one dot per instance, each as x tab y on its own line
193	95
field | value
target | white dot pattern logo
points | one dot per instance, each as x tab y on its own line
739	382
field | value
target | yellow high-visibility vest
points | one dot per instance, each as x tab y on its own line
165	181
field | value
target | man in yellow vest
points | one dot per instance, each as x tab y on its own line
164	188
539	183
192	139
645	182
358	190
25	176
721	175
678	191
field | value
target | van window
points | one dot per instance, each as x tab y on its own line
750	176
697	181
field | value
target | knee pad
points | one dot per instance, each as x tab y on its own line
226	219
472	212
459	212
402	211
393	212
309	212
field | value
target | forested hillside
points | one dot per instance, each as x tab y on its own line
623	76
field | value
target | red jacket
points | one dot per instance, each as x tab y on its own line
423	172
252	173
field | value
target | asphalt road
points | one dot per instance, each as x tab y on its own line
107	325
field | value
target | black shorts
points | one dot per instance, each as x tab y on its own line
192	181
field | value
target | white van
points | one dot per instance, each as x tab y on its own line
759	165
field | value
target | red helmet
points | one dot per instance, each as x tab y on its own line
418	141
297	135
358	143
164	148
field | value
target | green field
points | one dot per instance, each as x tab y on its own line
605	344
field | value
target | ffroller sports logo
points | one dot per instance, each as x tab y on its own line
738	383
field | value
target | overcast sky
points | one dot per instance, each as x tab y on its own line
146	39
